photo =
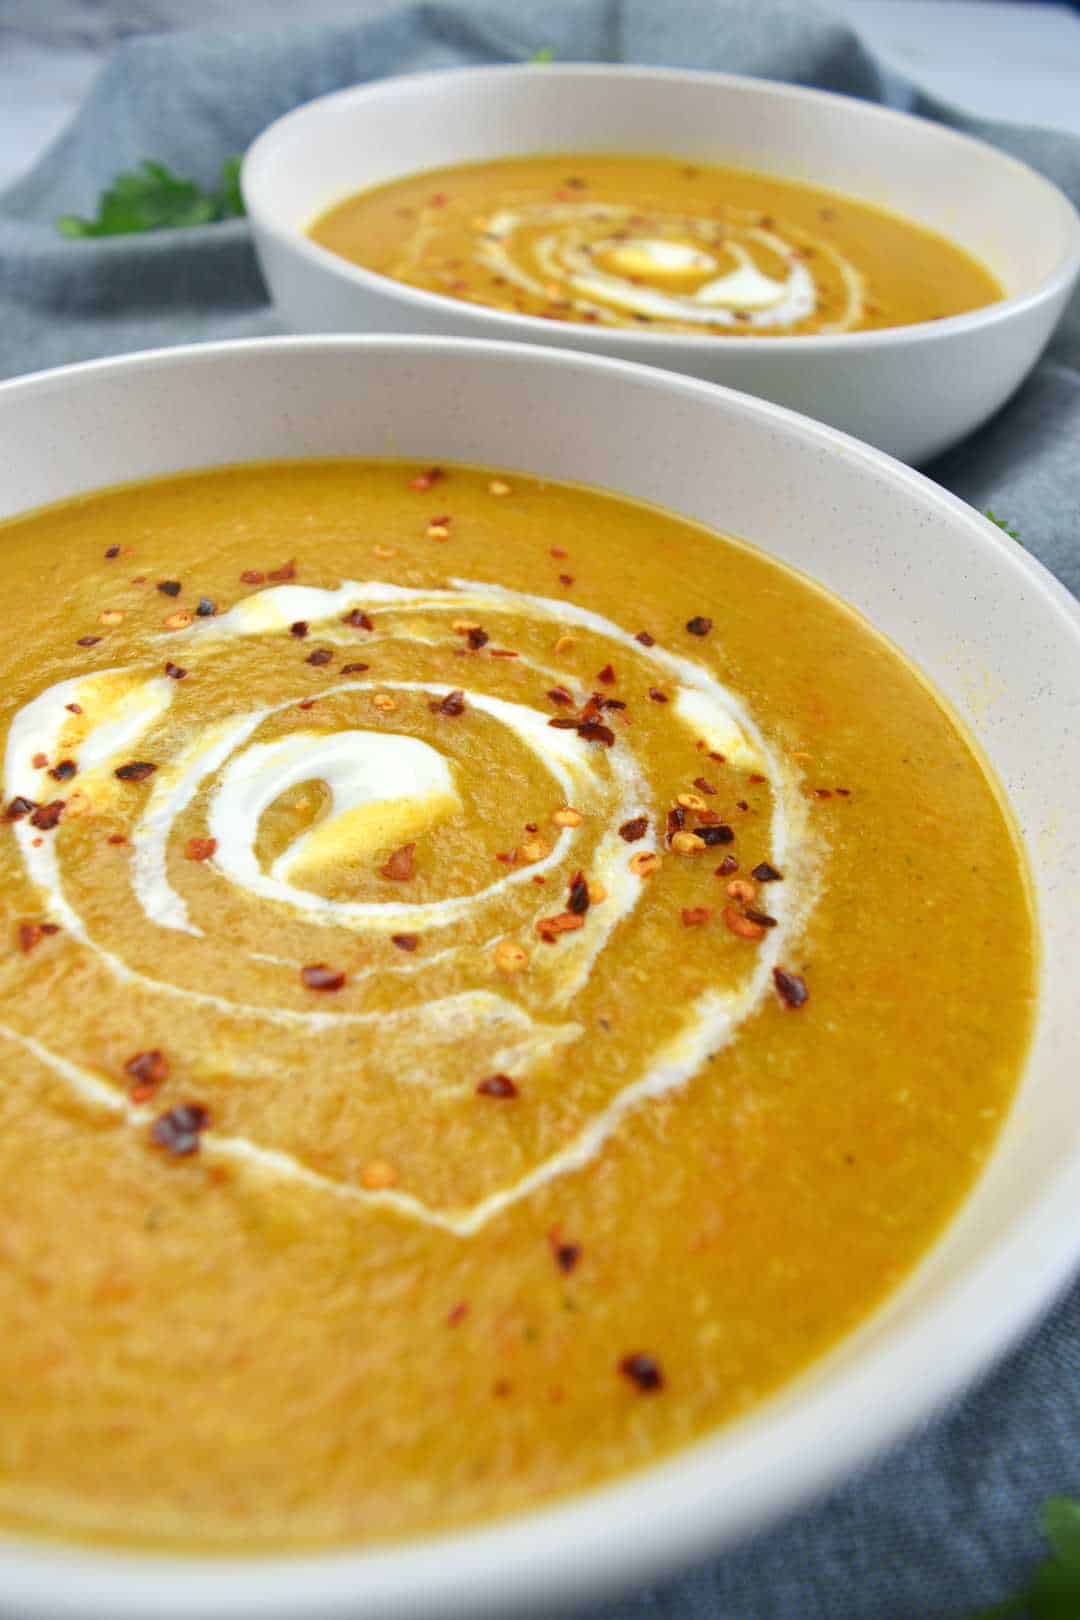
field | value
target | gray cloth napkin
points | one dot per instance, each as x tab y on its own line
946	1522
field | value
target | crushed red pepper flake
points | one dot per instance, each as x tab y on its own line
566	579
47	815
137	770
567	1256
764	873
148	1070
703	786
564	723
549	928
319	656
317	976
557	551
728	865
646	640
719	833
19	807
299	629
845	793
593	731
169	587
458	1314
424	480
356	619
64	771
762	918
657	696
503	652
31	934
644	1371
88	641
354	669
695	916
179	1130
117	838
206	609
73	708
607	676
253	576
634	829
676	821
498	1085
401	864
756	776
113	551
452	704
477	638
560	696
200	849
578	903
699	625
285	572
405	942
822	793
40	761
791	988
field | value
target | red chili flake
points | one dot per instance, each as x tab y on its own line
179	1130
741	804
567	1256
320	655
308	703
437	200
646	640
720	834
607	675
703	786
501	1387
657	696
285	572
252	576
442	522
695	916
113	551
137	771
47	817
32	933
822	793
400	866
357	620
699	626
644	1371
791	988
721	759
549	928
320	977
593	709
149	1070
709	818
299	629
19	807
764	873
497	1085
117	838
169	587
762	918
477	639
73	708
593	731
458	1314
88	641
757	777
676	820
728	865
845	793
425	480
578	903
563	722
566	579
503	652
560	696
452	704
40	761
405	942
634	829
354	669
206	609
64	771
557	551
174	672
200	849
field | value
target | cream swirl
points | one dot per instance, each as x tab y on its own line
429	1023
622	265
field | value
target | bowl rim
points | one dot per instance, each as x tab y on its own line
649	1522
256	185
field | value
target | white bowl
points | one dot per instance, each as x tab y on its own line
966	603
910	390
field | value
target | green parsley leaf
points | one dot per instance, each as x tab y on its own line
152	198
1054	1591
1001	523
544	54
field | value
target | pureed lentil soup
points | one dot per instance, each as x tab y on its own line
655	243
497	980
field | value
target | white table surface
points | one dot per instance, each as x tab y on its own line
1013	61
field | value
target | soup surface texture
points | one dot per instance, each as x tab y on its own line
655	244
497	980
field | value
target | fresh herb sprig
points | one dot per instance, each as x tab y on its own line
1053	1593
153	198
544	54
1003	526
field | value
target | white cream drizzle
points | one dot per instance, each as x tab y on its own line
365	769
567	262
